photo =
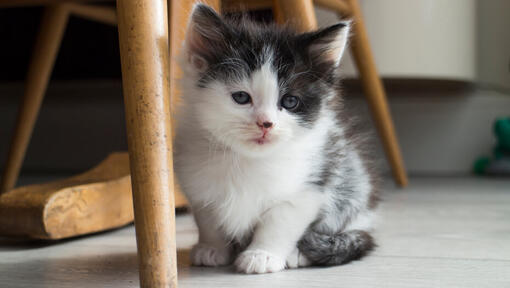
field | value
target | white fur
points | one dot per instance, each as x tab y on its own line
296	259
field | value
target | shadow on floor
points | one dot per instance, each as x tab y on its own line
19	243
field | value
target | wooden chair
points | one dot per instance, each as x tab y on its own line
151	33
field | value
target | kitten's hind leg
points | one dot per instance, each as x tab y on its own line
335	249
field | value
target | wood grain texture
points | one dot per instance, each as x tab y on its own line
97	200
375	94
21	3
103	14
339	6
45	50
144	49
438	232
300	14
228	6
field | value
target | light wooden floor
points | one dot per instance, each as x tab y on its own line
440	232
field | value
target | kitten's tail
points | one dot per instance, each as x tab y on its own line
336	249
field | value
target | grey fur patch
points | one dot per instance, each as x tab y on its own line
336	249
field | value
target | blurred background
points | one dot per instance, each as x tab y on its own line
445	65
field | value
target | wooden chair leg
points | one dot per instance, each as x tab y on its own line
143	34
374	92
299	13
48	41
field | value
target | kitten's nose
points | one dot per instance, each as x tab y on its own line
265	124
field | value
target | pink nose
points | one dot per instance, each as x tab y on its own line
266	125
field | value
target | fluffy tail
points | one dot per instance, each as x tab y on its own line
336	249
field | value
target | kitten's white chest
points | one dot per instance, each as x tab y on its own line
239	190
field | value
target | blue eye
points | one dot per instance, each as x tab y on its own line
289	102
241	97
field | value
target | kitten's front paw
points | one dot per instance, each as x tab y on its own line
206	255
296	259
259	261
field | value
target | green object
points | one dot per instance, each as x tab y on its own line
499	152
499	163
502	131
481	165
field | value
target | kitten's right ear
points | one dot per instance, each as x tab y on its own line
205	34
327	45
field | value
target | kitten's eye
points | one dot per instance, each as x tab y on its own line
289	102
241	97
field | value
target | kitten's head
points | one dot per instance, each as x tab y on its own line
253	87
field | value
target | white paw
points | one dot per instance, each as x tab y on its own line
259	261
206	255
297	259
292	260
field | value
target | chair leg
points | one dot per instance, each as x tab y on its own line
143	35
48	41
299	13
374	92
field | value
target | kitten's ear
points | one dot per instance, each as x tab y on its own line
206	32
326	46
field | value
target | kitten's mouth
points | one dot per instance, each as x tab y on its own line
264	139
261	140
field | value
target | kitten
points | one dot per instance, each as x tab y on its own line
262	148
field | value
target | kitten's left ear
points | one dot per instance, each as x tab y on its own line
327	45
206	34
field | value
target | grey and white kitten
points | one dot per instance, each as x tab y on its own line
262	147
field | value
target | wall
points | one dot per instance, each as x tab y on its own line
419	39
442	131
494	44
